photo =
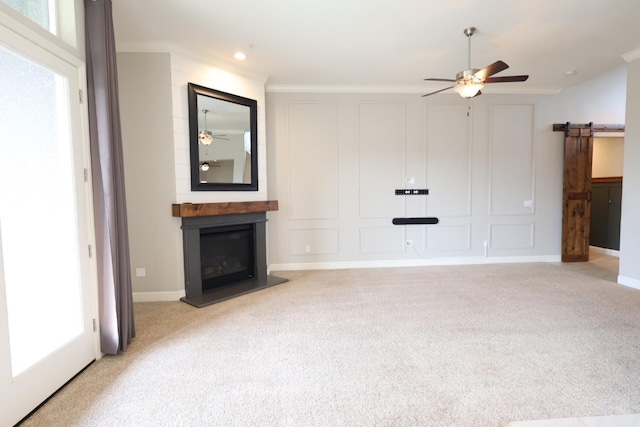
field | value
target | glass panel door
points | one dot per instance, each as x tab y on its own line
45	292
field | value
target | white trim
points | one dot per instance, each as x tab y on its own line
632	55
25	28
293	88
628	281
157	296
604	251
411	263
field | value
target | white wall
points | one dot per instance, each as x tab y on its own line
184	71
147	129
630	227
154	112
335	160
608	157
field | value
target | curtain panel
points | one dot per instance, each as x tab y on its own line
117	326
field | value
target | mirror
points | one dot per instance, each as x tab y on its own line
223	140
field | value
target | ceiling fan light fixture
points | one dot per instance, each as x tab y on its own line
469	82
205	137
468	90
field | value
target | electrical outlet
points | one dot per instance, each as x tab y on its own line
307	248
409	242
141	272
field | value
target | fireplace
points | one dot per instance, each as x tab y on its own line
224	250
226	255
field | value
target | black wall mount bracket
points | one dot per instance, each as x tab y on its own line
412	192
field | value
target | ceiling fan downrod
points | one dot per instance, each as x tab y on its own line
469	31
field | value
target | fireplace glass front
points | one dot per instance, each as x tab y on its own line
226	255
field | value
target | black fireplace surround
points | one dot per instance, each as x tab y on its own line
224	257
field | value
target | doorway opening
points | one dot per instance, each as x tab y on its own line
577	187
606	192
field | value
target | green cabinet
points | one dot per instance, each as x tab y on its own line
606	203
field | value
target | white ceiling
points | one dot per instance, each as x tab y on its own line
392	43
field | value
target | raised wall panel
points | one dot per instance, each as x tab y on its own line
448	159
448	237
511	236
382	239
314	241
512	159
313	160
382	148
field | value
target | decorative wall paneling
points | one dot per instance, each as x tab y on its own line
511	236
382	131
477	159
314	241
512	161
313	171
448	238
448	161
382	239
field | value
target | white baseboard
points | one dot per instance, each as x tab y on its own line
412	262
628	281
605	251
157	296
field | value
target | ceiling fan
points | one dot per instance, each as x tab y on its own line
469	82
205	136
205	166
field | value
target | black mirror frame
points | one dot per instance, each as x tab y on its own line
193	91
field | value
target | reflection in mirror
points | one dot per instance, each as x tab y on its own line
223	140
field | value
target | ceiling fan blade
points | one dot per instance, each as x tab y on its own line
490	70
438	91
441	80
506	79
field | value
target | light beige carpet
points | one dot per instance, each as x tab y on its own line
428	346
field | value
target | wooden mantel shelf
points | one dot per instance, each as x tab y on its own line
185	210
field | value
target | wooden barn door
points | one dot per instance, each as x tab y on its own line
576	192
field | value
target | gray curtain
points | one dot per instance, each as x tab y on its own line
117	327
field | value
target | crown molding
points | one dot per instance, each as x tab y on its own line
632	55
411	89
161	46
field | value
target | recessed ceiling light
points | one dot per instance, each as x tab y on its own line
570	73
240	56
